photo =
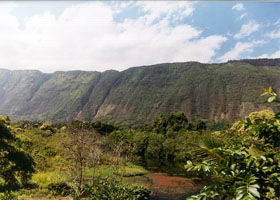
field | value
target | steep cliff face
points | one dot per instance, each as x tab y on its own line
212	91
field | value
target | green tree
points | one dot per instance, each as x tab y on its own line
200	125
155	148
169	148
16	166
170	122
140	143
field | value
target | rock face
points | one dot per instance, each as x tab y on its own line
211	91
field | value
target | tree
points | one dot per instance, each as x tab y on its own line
155	149
248	169
16	166
200	125
169	148
140	143
83	151
100	127
170	122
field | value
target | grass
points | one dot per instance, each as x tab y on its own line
132	170
129	170
43	179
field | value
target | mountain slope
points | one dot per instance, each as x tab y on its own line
212	91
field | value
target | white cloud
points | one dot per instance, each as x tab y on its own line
86	37
273	55
240	48
7	21
247	29
7	8
201	50
242	16
277	23
168	9
274	34
238	6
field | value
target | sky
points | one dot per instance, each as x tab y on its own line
101	35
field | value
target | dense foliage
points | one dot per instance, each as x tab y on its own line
16	166
70	157
110	190
248	168
171	122
73	156
168	138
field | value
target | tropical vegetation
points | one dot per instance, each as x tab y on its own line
78	155
249	167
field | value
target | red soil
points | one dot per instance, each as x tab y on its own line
168	187
163	182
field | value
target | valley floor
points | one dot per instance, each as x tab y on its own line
163	187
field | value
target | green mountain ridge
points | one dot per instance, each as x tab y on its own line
137	95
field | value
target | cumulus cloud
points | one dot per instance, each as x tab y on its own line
238	6
200	50
240	48
247	29
85	36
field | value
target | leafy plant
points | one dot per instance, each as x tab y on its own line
242	175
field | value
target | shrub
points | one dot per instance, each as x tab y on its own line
7	196
111	190
61	189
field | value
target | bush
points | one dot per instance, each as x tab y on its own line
7	196
59	189
43	179
110	190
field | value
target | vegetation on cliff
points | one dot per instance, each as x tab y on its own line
215	92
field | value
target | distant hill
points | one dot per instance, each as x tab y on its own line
260	61
211	91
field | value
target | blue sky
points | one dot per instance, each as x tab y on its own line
102	35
